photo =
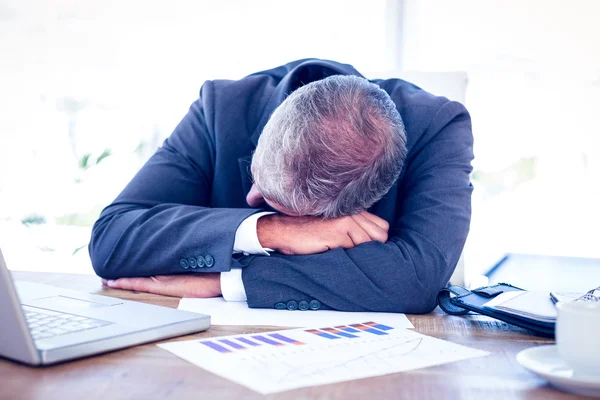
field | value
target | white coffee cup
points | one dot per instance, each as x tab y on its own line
578	337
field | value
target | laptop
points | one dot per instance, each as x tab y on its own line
41	325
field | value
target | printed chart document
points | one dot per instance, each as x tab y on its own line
273	362
237	313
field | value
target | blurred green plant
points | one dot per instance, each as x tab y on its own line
105	153
80	219
86	161
495	182
33	219
79	248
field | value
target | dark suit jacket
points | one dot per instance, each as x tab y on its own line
180	212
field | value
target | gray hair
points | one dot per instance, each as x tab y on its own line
333	148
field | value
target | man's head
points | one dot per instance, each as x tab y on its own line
333	148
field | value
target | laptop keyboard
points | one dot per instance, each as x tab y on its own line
45	324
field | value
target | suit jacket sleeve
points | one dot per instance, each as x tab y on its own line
161	222
406	273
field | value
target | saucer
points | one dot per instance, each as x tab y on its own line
545	362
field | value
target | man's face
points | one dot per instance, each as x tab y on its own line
255	199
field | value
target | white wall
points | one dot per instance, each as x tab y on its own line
533	94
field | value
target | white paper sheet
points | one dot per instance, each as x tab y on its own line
277	361
237	313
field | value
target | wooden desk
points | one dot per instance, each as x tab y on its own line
148	372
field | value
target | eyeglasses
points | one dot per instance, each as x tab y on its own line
590	296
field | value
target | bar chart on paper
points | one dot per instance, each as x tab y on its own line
351	331
277	361
247	342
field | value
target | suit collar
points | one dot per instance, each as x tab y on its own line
297	74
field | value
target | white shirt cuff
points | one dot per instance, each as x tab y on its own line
246	236
232	287
246	241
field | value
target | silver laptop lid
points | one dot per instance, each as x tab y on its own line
15	340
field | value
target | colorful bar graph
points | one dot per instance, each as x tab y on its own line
322	334
381	327
247	341
284	338
215	346
235	345
366	328
339	332
348	329
352	331
267	340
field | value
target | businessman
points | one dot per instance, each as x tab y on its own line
304	187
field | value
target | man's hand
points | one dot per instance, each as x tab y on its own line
198	285
310	235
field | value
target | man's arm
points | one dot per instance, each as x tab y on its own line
313	235
161	222
405	273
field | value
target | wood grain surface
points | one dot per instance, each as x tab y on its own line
148	372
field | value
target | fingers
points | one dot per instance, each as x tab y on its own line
358	234
374	230
382	223
200	285
148	285
346	241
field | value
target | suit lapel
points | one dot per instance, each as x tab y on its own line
244	165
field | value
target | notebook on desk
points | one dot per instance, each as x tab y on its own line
536	305
510	308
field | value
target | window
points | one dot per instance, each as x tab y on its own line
533	94
92	87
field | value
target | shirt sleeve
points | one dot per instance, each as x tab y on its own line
232	286
246	236
246	241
